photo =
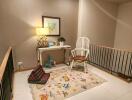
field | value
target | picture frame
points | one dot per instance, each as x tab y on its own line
53	24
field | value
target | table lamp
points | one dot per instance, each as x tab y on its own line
42	41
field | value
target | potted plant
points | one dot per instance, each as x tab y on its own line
61	41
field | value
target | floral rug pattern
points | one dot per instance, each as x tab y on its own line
64	83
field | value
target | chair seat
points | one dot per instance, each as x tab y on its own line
79	58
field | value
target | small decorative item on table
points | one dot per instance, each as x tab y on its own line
50	62
61	41
51	43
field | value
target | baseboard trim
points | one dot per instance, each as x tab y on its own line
24	69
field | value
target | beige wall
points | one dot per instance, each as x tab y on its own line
123	37
97	20
18	19
3	49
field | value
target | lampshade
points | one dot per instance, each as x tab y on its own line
42	31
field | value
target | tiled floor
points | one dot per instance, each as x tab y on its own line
113	89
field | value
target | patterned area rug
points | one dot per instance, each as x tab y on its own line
64	83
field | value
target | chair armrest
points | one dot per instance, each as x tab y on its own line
87	53
73	52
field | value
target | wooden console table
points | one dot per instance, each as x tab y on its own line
41	50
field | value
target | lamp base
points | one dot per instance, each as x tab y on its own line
42	45
42	42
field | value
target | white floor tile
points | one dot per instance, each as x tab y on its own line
127	96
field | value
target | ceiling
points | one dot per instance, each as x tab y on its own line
120	1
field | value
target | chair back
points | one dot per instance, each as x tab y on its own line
82	45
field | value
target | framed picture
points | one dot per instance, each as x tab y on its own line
53	24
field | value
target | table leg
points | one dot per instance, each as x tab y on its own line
64	56
66	59
69	57
40	55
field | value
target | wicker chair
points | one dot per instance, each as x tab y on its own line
81	52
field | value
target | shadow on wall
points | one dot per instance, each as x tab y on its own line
20	17
98	21
118	20
21	36
3	49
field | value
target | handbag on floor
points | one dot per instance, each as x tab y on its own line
38	76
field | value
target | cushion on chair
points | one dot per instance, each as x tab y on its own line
79	58
38	76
